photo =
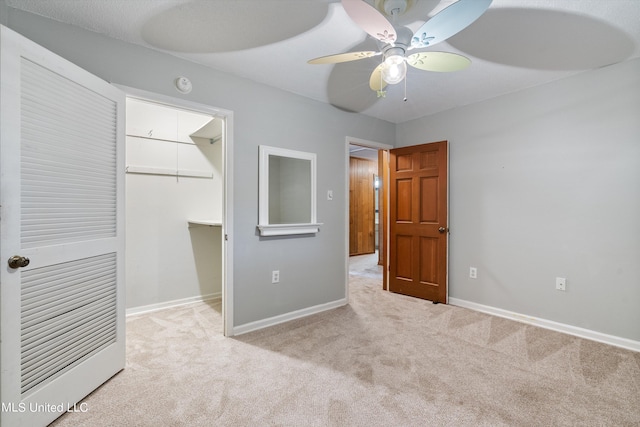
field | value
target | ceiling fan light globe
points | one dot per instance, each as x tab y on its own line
394	70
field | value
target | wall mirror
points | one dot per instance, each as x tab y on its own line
287	192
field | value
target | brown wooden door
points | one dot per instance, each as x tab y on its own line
418	221
361	206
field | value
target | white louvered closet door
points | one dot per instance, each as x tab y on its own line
62	207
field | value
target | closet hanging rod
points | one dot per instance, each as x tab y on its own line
149	170
192	142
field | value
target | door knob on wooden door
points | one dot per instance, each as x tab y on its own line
442	229
18	261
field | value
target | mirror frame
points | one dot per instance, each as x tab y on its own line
267	229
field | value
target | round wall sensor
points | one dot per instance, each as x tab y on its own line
183	85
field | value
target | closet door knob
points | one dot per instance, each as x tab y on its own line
441	229
18	261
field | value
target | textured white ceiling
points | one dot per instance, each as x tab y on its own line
516	44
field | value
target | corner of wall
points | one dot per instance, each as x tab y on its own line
276	320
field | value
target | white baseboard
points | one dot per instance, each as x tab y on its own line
174	303
271	321
549	324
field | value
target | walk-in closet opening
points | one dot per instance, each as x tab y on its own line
175	206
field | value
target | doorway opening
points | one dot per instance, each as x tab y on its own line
177	205
366	215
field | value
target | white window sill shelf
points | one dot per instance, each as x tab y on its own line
288	229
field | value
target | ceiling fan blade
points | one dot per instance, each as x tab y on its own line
343	57
375	81
448	22
438	61
370	20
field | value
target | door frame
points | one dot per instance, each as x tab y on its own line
368	144
227	210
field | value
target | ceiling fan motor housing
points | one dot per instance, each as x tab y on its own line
400	46
403	37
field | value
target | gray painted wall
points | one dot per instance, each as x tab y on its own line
3	13
312	269
545	183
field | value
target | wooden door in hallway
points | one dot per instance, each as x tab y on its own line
361	206
418	221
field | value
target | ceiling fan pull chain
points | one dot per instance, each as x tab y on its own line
405	89
381	93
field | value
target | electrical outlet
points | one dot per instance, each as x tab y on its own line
275	276
561	283
473	272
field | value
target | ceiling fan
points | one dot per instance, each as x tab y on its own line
395	42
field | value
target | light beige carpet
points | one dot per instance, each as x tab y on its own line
383	360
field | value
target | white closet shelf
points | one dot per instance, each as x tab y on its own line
208	222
